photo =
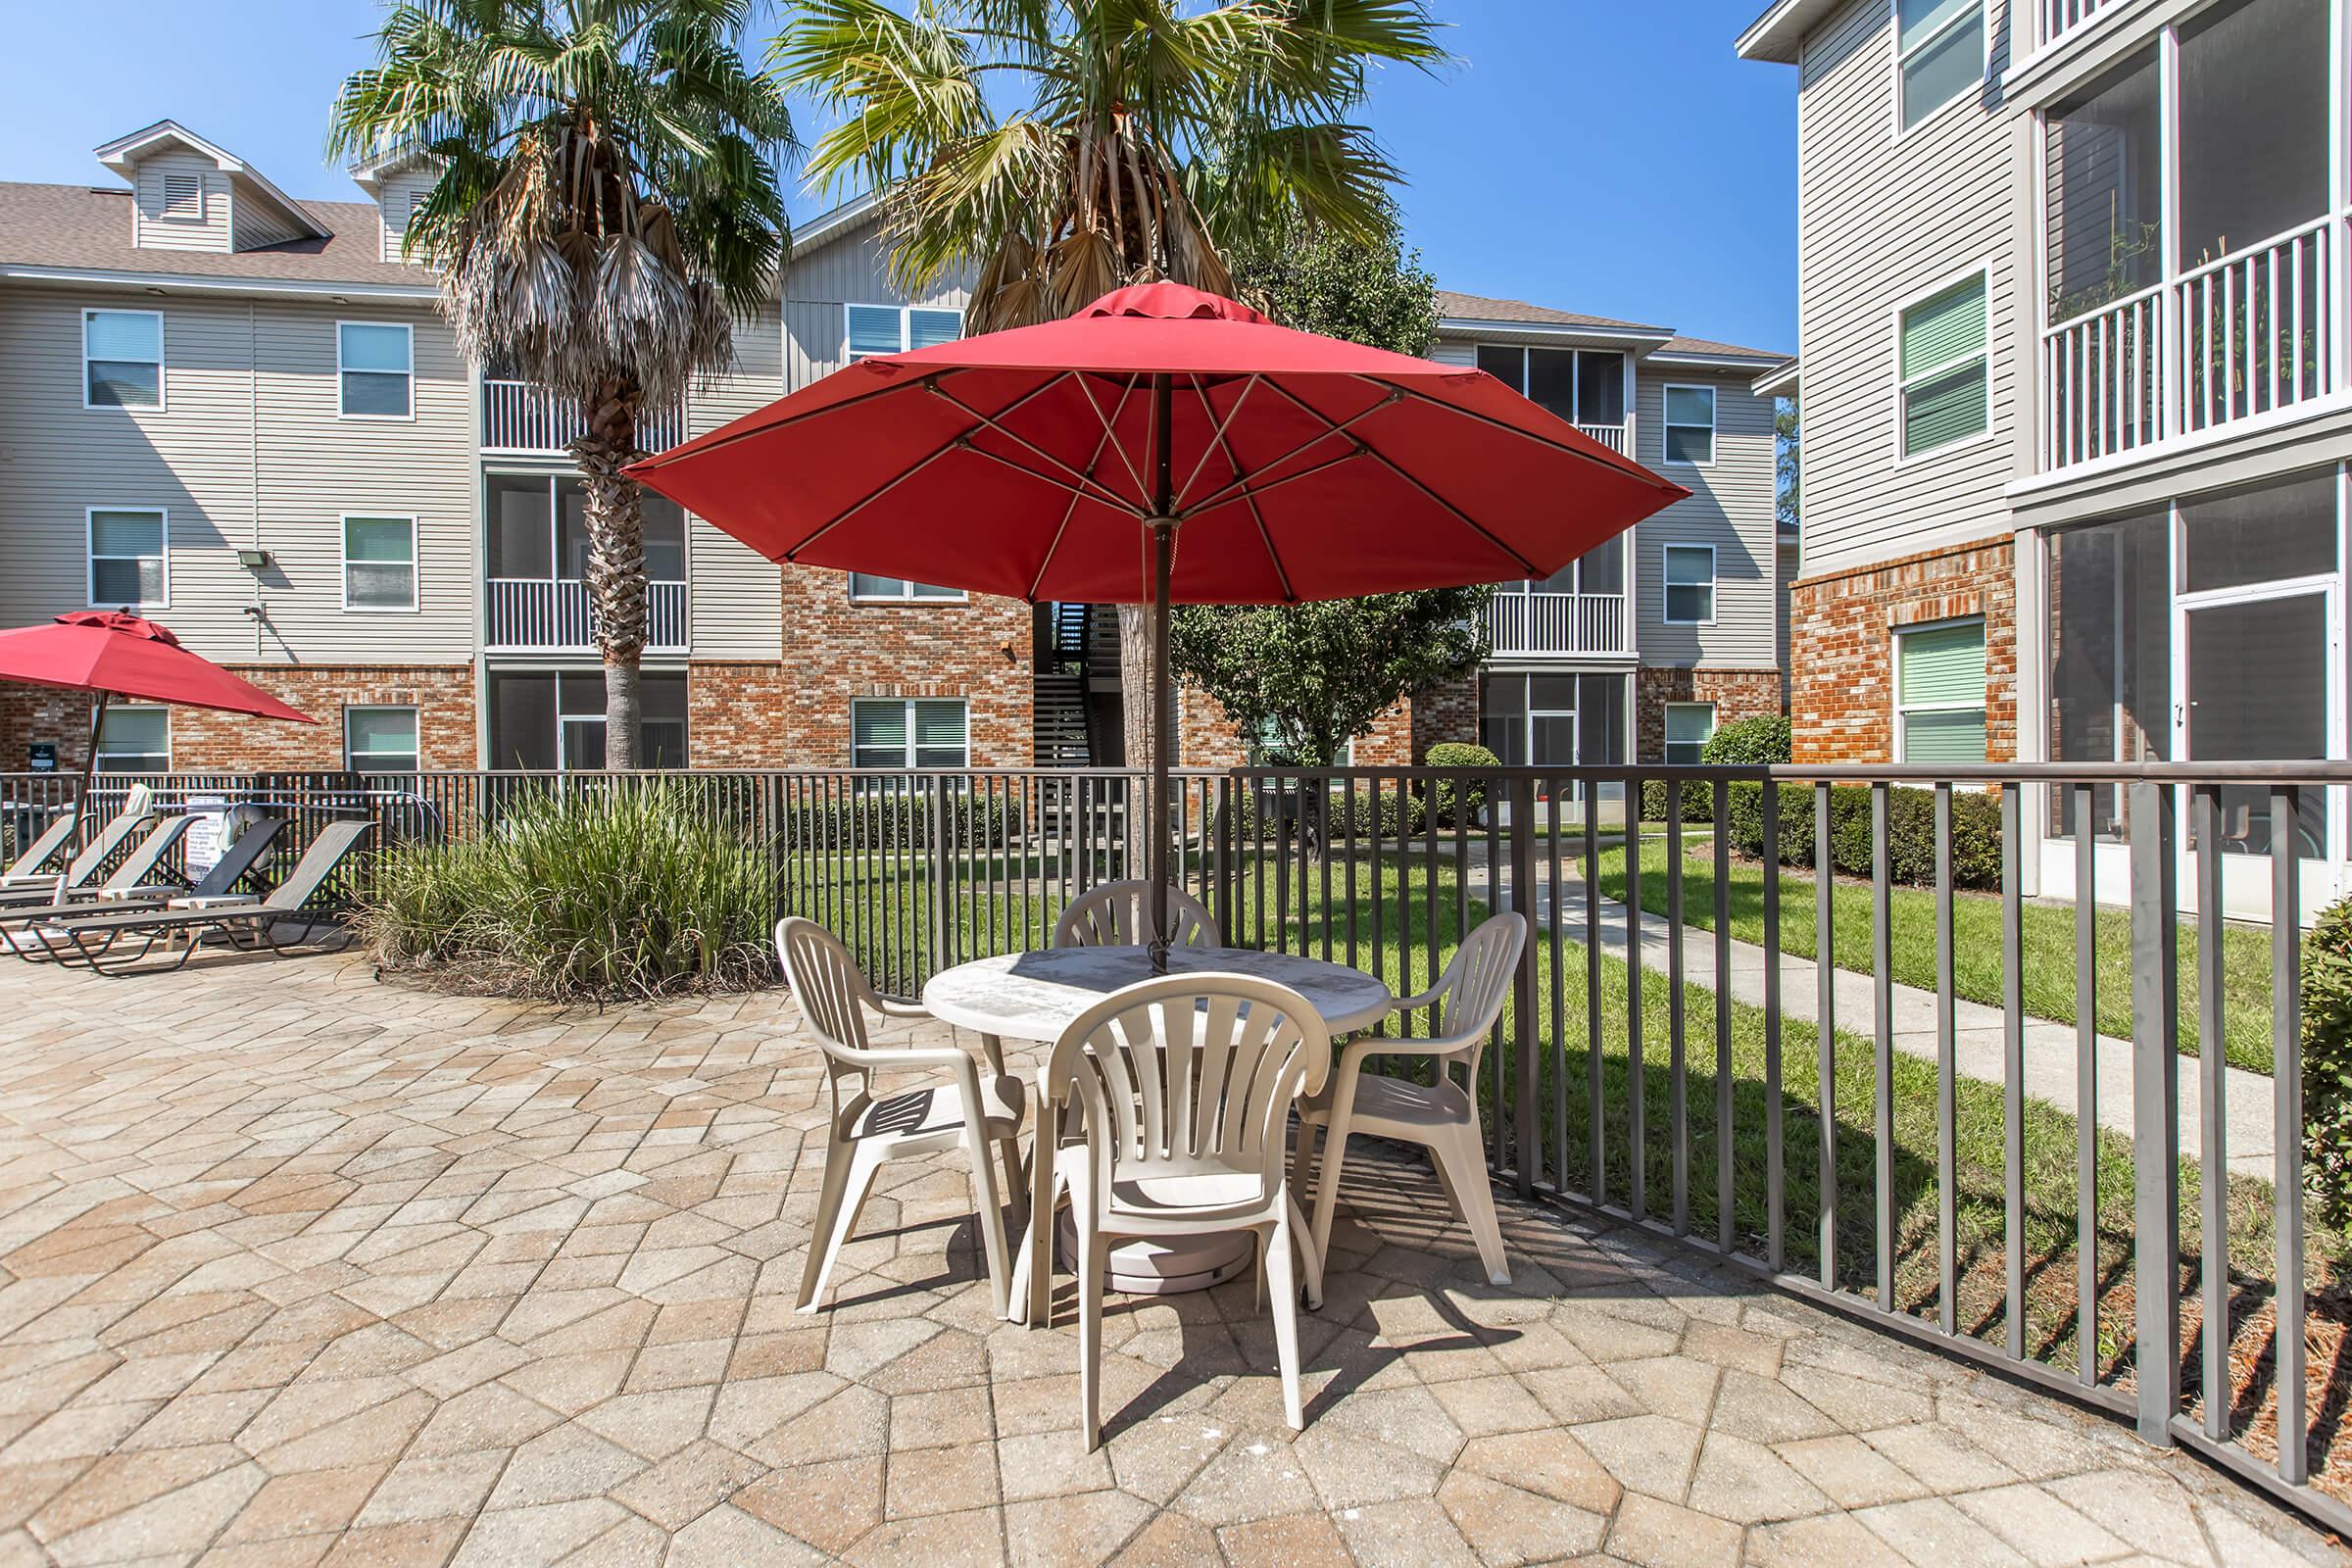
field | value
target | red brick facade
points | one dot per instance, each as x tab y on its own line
836	651
443	696
1736	694
735	716
1841	647
1398	738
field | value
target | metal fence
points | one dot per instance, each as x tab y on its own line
1917	1176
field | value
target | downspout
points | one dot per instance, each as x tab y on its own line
253	456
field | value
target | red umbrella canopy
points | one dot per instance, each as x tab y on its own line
127	656
1296	467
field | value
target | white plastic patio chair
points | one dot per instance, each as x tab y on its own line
970	1111
1181	1139
1119	914
1441	1117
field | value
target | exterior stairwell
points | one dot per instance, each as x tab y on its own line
1059	702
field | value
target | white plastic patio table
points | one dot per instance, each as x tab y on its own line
1034	996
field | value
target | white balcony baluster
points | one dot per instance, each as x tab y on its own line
519	417
1613	436
2062	16
1557	623
537	614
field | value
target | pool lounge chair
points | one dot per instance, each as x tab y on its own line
137	868
46	846
217	887
96	942
137	807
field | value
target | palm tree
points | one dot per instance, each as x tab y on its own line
1153	134
606	208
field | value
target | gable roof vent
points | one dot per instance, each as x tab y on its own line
183	197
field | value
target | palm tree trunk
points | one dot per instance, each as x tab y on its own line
1137	705
615	562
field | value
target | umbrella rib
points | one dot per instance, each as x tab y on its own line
1217	429
1630	471
1251	493
1086	387
662	460
1265	534
1071	510
1102	491
1239	484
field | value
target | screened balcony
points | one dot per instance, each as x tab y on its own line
535	596
518	416
1583	608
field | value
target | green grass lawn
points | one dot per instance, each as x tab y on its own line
2047	935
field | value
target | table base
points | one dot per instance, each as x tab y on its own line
1169	1268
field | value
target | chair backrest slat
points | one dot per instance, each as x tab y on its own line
833	993
137	807
1477	981
335	841
44	847
1119	914
141	863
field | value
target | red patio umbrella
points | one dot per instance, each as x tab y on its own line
116	654
1163	446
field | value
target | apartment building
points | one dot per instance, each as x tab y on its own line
241	414
2072	331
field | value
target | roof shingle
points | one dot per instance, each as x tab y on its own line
74	227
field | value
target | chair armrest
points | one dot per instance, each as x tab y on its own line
146	893
1426	999
898	1010
216	901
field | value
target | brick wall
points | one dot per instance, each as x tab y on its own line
1398	738
1736	694
1841	647
443	696
1444	713
735	716
836	651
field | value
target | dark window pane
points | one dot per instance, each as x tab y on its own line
1506	364
2259	535
122	385
372	393
520	540
2253	123
1601	715
1554	694
665	538
1601	570
1599	388
2258	691
2110	656
572	530
522	721
2102	188
1551	381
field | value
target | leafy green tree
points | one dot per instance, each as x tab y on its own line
606	208
1309	678
1784	437
1073	146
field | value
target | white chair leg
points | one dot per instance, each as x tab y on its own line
1093	1260
1277	1240
1016	1181
1327	1201
1462	1168
991	1214
849	1176
1302	1156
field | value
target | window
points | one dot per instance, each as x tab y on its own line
1691	425
379	563
379	739
540	719
1939	693
1940	51
865	585
1690	585
129	567
1947	394
1555	720
134	739
122	359
183	197
913	732
1584	386
895	329
1689	728
374	360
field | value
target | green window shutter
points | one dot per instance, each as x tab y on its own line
1943	667
1957	738
1945	329
1947	409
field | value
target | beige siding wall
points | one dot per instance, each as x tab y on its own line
1882	220
734	597
255	223
229	479
853	270
1730	508
152	231
392	204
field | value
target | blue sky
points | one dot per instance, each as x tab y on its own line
1592	155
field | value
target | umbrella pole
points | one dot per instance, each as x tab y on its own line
1163	737
89	766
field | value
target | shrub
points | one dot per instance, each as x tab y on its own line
1756	741
1910	832
597	894
1455	753
2327	1064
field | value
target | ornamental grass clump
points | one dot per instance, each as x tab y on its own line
603	891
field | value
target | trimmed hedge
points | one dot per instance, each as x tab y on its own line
1257	819
2327	1064
1456	754
1910	832
1757	741
900	823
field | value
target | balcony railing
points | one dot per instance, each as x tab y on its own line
539	615
1618	438
2062	16
520	417
2248	334
1558	623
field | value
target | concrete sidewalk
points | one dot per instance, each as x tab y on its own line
2250	1144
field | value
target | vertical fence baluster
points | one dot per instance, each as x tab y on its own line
1725	1228
1825	1018
2086	1091
1524	1029
1882	964
1677	1066
1948	1159
2213	1156
2013	1065
1496	1131
1638	1134
2155	1113
2286	1088
1595	1117
1429	889
1775	1235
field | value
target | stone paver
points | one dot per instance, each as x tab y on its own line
297	1267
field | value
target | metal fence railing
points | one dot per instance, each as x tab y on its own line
1813	1023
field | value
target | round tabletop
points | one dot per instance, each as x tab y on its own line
1033	996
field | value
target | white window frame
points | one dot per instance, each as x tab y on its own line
416	724
907	705
1894	678
1667	424
165	211
905	595
905	324
410	417
161	390
1897	58
1903	455
415	575
1666	740
98	754
1667	584
90	557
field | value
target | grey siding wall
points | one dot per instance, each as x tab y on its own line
392	204
1730	508
1881	219
254	224
248	450
152	231
854	269
735	597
